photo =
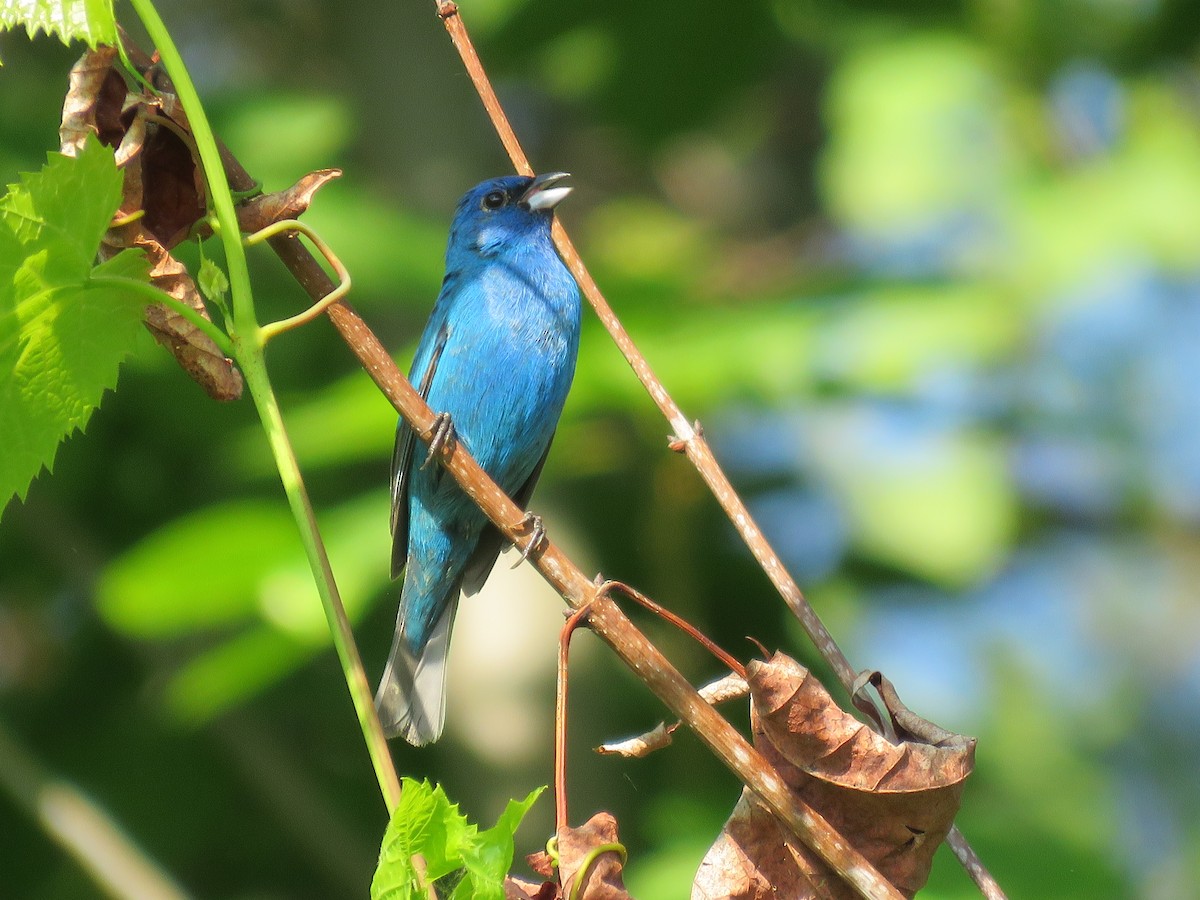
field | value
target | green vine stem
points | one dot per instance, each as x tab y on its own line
286	226
215	334
247	340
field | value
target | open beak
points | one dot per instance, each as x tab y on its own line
541	193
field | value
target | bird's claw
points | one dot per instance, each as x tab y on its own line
537	534
443	436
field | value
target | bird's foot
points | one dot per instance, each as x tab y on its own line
443	437
537	534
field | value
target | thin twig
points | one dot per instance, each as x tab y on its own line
607	588
687	437
561	821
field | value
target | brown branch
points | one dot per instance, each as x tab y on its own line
610	624
686	438
605	619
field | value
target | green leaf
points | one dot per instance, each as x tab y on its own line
236	572
427	823
90	21
64	325
232	672
489	856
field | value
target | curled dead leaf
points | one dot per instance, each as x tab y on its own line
162	200
591	852
192	348
894	802
728	687
640	745
520	889
266	209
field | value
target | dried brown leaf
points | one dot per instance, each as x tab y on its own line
192	348
163	182
95	102
894	802
640	745
520	889
576	846
755	857
266	209
172	183
728	687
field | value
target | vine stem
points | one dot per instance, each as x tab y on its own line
154	295
687	438
248	344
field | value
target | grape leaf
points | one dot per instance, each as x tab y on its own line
425	822
91	21
428	824
489	855
65	324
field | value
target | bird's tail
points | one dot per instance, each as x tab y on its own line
411	699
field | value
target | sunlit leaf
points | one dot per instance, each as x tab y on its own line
914	132
936	503
427	823
64	329
232	672
91	21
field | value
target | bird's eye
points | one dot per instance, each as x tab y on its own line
494	200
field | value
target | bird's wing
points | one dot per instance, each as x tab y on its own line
425	363
491	541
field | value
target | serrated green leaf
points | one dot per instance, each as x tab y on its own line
90	21
425	822
489	856
64	329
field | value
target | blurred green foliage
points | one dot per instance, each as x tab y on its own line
928	272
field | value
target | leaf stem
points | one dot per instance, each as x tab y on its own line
248	343
218	337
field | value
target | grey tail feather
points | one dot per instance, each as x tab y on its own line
411	700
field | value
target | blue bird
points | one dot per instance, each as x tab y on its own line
495	362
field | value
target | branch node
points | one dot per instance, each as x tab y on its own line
446	9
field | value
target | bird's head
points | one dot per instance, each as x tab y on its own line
504	212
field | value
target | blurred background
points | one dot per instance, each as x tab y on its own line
928	272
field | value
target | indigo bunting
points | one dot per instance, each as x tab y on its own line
495	362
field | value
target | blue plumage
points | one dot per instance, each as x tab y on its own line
498	355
